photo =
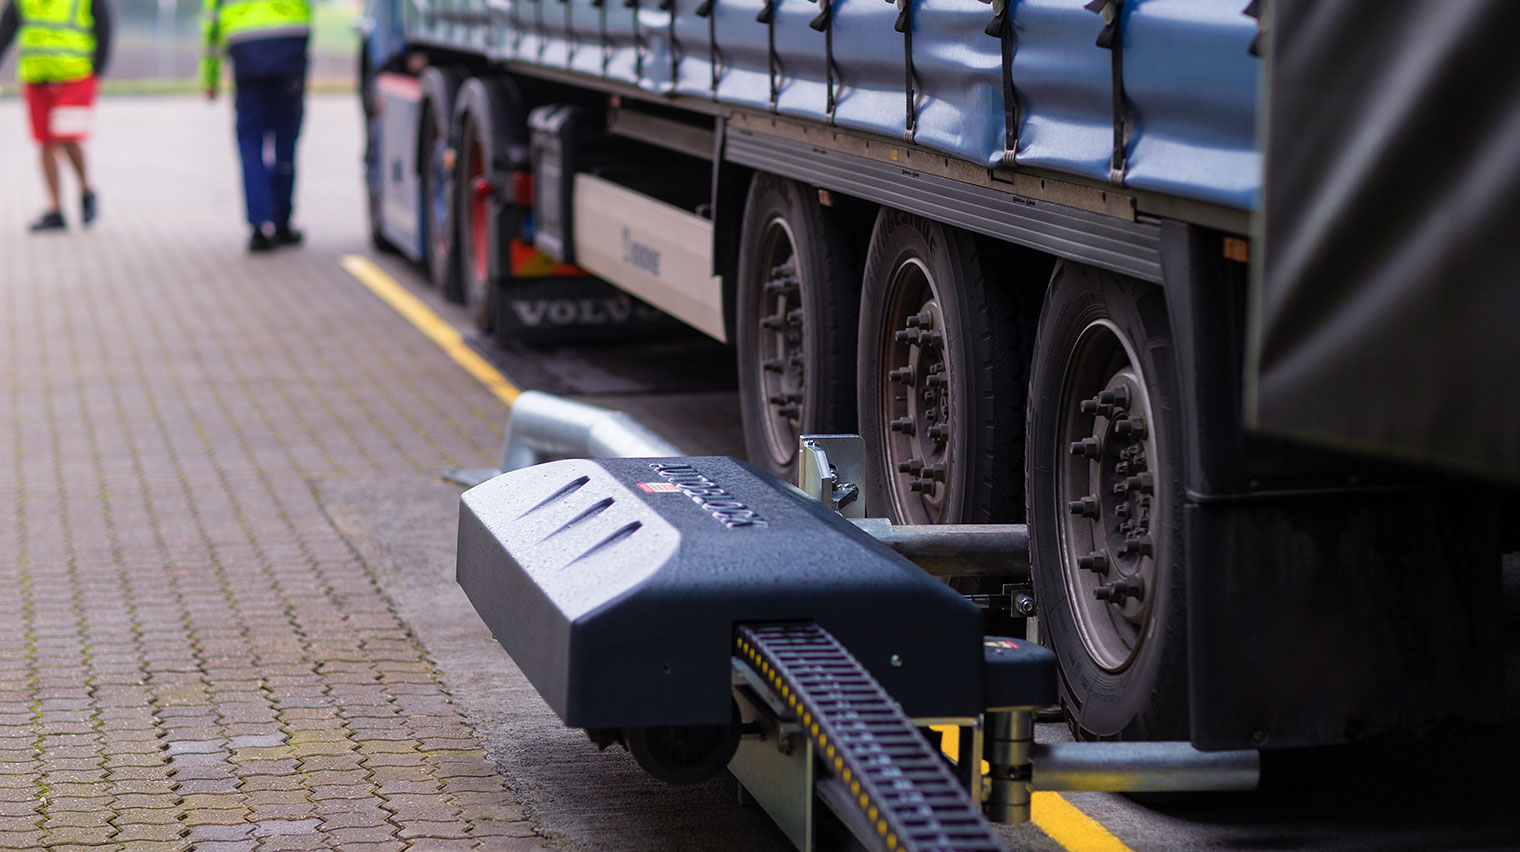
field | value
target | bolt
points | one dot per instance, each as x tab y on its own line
1087	447
921	320
912	466
778	286
790	412
1120	489
935	472
907	336
1138	545
929	338
783	398
772	365
1121	590
937	433
1118	398
1096	406
935	380
1023	604
920	486
1087	507
903	375
1122	509
772	322
1131	427
794	317
1095	561
902	424
1144	483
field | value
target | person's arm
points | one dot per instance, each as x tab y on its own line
211	47
10	22
101	9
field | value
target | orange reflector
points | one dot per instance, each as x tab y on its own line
1237	249
529	262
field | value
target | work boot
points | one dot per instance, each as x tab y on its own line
87	208
49	221
284	235
259	241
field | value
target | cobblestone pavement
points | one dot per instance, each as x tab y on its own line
191	656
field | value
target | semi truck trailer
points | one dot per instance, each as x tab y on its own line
1026	250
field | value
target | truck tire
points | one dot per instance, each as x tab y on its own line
798	295
434	151
942	358
1104	481
492	144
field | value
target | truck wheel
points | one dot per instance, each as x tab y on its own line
941	366
1104	478
798	295
484	116
435	153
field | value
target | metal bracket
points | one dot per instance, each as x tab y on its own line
830	469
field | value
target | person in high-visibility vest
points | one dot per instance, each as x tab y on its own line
64	47
267	41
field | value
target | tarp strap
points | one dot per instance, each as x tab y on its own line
1111	39
904	25
569	34
1001	28
638	41
543	30
675	43
824	23
767	16
713	54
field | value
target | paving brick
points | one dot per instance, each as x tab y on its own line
205	652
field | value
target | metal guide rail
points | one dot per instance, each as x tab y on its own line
907	798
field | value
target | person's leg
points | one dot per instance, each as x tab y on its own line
39	102
253	117
74	148
50	173
287	127
75	152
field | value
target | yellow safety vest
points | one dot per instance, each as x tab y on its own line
225	22
57	40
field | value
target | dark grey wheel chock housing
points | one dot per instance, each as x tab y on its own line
705	613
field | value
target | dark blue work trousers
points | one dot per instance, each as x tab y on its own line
268	121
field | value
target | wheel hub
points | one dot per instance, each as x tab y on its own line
1108	508
782	341
918	399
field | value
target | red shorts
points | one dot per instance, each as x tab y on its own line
61	112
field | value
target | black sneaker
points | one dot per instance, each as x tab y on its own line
49	221
87	208
259	241
287	236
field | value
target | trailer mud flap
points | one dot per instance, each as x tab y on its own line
1342	616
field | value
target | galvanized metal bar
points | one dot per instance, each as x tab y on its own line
1141	768
956	550
544	427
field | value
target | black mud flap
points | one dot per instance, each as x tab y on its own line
1333	618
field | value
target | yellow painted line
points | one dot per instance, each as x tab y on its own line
430	324
1062	821
1069	826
